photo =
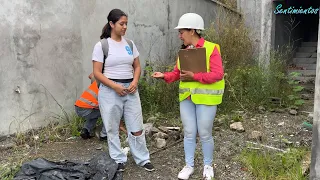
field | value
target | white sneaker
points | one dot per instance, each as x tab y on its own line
208	172
185	172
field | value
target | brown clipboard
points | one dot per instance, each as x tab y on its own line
193	59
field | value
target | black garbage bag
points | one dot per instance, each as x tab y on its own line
104	168
98	168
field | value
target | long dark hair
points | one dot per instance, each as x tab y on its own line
114	16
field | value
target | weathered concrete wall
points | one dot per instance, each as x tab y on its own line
260	18
251	12
50	43
40	45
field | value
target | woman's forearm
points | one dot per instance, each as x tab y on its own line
97	72
136	73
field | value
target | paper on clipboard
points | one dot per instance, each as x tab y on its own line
193	60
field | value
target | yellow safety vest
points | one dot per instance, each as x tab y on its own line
207	94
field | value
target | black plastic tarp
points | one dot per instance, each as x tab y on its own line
98	168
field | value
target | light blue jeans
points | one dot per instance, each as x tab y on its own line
197	118
112	108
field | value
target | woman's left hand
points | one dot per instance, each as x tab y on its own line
186	75
132	87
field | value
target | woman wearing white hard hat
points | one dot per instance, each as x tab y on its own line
199	94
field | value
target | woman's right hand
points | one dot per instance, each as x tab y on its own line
157	75
120	90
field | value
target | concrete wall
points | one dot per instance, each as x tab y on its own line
251	11
40	45
48	45
259	16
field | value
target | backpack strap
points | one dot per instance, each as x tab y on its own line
105	49
130	43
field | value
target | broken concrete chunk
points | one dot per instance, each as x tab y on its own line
160	135
161	143
293	112
255	135
148	128
7	146
237	126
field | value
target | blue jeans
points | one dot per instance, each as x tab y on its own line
113	107
197	118
91	116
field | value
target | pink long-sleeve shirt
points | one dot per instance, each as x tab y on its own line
216	70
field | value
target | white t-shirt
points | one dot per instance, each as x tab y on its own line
118	64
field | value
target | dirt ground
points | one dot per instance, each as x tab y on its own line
168	162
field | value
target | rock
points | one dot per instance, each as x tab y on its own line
253	119
155	130
160	135
288	143
305	96
293	112
176	135
310	118
27	146
261	109
163	129
161	143
281	124
148	128
218	121
7	146
256	135
237	126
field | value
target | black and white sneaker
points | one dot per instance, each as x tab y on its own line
105	138
121	167
85	134
149	167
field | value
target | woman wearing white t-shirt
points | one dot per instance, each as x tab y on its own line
118	95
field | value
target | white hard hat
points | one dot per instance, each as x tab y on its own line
190	21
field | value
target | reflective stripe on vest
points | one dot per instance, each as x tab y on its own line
88	102
92	93
201	91
89	98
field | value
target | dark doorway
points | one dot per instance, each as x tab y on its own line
293	29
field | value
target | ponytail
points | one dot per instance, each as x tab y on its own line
114	16
106	31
